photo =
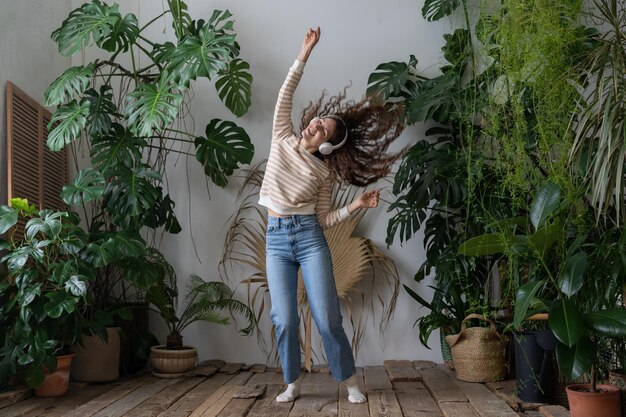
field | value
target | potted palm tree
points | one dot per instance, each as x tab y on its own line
203	301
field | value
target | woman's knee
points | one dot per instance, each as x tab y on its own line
285	321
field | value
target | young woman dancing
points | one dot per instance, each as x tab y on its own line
342	141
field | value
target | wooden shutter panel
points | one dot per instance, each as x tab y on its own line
33	171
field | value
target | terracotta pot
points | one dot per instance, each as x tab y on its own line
605	403
57	383
172	363
97	361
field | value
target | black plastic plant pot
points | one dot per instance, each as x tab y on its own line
534	370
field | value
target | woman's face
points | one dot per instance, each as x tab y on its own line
319	130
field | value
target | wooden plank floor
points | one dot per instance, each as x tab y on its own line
399	388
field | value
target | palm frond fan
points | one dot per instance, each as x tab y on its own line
364	275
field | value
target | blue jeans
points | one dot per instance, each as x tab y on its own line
296	242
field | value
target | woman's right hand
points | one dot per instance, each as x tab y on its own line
310	40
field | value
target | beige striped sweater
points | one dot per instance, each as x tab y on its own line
296	181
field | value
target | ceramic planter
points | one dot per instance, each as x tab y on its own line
534	372
172	363
605	403
57	383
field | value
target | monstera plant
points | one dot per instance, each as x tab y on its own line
128	108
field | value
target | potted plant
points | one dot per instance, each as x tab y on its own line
203	301
42	295
128	116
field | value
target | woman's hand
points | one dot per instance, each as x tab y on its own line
310	40
368	199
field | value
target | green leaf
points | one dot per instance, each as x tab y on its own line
123	34
76	285
222	150
59	302
523	299
8	218
131	192
206	53
434	10
543	239
92	20
458	48
544	204
576	360
70	85
487	244
34	376
566	322
180	17
28	294
235	87
118	147
71	120
88	185
573	276
392	79
101	110
152	107
610	322
22	204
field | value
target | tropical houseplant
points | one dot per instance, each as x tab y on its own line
130	119
42	295
203	301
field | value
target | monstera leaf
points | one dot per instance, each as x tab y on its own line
71	120
101	109
71	84
436	9
234	87
118	147
393	79
180	17
98	21
87	186
133	192
222	150
205	53
152	107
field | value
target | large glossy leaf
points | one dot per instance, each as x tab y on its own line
222	150
152	107
59	302
71	120
70	85
543	239
123	34
488	244
436	9
88	185
573	276
101	110
393	79
546	201
180	17
435	100
234	87
566	322
576	360
523	299
610	322
458	48
206	52
118	147
76	285
8	218
116	246
94	20
131	192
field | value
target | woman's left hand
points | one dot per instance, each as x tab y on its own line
369	199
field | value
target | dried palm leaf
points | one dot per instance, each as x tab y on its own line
354	260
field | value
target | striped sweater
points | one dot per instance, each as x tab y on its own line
296	181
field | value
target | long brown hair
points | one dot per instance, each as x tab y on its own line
372	127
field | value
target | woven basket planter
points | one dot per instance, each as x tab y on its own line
169	363
478	352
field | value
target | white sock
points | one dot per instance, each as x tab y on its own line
355	392
291	393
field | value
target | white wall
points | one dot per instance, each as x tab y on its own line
356	36
28	57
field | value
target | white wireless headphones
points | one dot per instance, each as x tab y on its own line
327	148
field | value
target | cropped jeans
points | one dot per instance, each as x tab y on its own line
297	242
